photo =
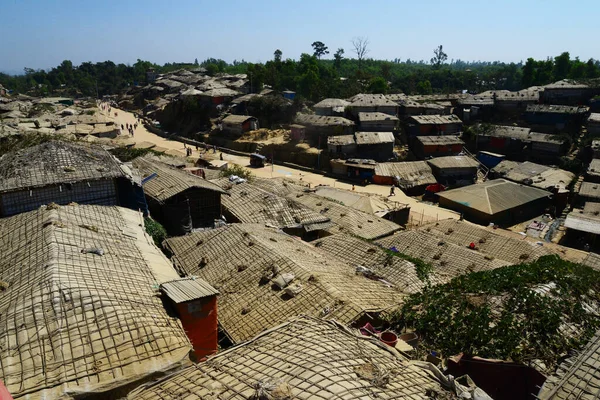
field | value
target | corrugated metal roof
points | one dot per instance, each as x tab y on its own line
374	137
494	196
187	289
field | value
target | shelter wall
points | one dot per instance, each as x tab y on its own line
99	192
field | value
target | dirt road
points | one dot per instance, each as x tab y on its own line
420	212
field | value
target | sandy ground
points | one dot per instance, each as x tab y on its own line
420	213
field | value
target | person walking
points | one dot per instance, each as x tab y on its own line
392	189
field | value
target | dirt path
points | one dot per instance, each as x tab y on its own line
420	212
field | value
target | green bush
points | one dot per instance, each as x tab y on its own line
156	230
238	170
517	312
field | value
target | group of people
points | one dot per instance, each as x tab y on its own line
130	128
105	107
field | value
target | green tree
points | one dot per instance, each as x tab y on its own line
439	57
528	73
386	69
277	56
319	49
338	56
591	71
378	85
196	62
424	87
562	66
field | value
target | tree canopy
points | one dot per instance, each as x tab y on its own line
313	78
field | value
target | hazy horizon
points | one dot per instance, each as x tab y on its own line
41	35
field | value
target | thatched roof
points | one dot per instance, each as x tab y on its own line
78	302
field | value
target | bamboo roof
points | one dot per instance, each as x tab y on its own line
237	119
243	262
453	162
331	103
556	109
579	376
78	302
448	259
304	359
56	162
495	243
347	219
367	138
537	175
168	181
375	117
409	173
341	140
594	118
371	100
321	120
249	203
590	189
436	119
439	140
355	251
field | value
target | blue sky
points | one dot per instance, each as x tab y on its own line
42	33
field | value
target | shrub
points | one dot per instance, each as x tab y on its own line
155	230
238	170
